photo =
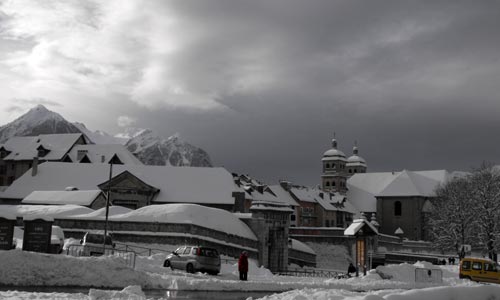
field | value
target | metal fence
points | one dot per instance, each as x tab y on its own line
313	273
138	250
80	250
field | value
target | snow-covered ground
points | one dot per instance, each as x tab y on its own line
21	268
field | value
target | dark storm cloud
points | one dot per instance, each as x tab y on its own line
415	83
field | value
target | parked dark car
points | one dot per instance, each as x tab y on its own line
194	259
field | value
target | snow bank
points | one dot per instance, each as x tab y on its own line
485	292
25	268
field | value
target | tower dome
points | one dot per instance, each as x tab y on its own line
355	163
334	153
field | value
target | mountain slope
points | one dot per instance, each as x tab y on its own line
99	136
148	147
154	150
37	120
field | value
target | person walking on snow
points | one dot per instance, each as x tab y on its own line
243	265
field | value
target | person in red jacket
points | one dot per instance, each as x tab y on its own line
243	265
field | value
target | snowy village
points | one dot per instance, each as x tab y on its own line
275	150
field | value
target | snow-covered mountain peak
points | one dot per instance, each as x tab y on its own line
153	149
38	120
37	115
148	146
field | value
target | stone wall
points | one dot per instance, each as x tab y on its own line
301	258
168	233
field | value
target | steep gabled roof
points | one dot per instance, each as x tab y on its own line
409	184
176	184
363	188
25	147
103	153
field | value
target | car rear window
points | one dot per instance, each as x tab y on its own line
466	265
208	252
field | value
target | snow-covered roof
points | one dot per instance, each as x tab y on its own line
25	147
176	184
101	213
103	153
53	211
356	226
213	218
364	187
270	205
84	198
355	160
283	196
304	194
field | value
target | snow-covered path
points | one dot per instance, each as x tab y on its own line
20	268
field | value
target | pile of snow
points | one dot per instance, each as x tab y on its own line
254	271
23	268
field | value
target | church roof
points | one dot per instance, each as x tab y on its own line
363	188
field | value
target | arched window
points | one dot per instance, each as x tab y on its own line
397	208
333	183
327	183
328	166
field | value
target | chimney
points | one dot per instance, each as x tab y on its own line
34	167
285	185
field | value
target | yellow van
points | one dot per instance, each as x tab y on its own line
479	269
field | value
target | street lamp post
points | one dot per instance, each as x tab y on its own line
113	160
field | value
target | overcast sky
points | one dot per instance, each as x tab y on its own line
263	85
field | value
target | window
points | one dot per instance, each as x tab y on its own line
333	183
188	249
3	169
397	208
350	171
466	265
327	183
327	166
292	217
477	266
490	267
